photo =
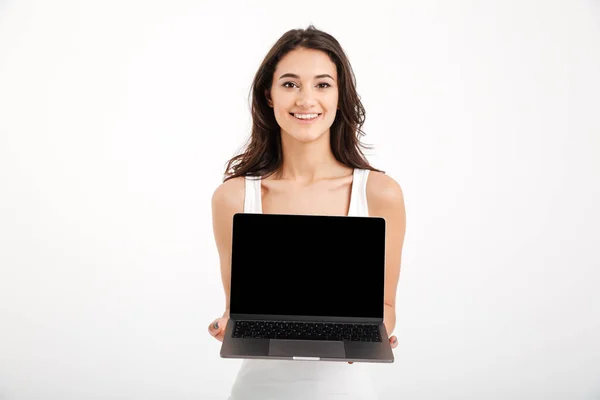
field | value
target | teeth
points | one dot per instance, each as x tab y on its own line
306	116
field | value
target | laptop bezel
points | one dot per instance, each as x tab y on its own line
305	318
309	318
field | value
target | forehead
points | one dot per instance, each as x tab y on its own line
306	63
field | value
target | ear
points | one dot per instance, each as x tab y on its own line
268	96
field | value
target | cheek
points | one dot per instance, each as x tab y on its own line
332	100
282	104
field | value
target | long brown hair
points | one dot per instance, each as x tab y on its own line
263	155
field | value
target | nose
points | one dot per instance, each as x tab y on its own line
305	98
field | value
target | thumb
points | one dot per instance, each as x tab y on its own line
216	326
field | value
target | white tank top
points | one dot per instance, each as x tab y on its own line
315	380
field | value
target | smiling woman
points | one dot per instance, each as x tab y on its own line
306	71
304	157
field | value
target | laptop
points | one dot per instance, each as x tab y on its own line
307	287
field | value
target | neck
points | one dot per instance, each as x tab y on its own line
308	162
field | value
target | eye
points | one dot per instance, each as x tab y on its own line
320	85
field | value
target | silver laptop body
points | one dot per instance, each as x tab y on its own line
307	287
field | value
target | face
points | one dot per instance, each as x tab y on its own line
304	94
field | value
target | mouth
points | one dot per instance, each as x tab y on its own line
306	117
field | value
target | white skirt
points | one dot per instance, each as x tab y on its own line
316	380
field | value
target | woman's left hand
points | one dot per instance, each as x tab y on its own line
393	343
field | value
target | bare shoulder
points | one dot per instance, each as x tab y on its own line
384	194
229	196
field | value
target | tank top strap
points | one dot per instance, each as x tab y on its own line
253	198
358	196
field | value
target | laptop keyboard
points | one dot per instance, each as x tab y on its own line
306	331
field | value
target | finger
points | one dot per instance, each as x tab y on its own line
220	335
216	326
394	342
213	327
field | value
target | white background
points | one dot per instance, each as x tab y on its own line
117	118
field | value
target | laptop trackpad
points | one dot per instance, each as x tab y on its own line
306	348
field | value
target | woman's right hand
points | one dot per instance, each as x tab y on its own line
217	328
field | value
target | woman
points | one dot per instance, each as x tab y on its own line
304	157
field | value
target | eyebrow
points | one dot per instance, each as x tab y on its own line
288	75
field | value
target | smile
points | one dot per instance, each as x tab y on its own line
306	117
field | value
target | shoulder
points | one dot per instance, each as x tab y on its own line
384	194
229	195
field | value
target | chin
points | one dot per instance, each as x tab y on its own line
305	137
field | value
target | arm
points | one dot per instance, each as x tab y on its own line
386	199
389	318
227	200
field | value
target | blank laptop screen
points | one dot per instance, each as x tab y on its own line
308	265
